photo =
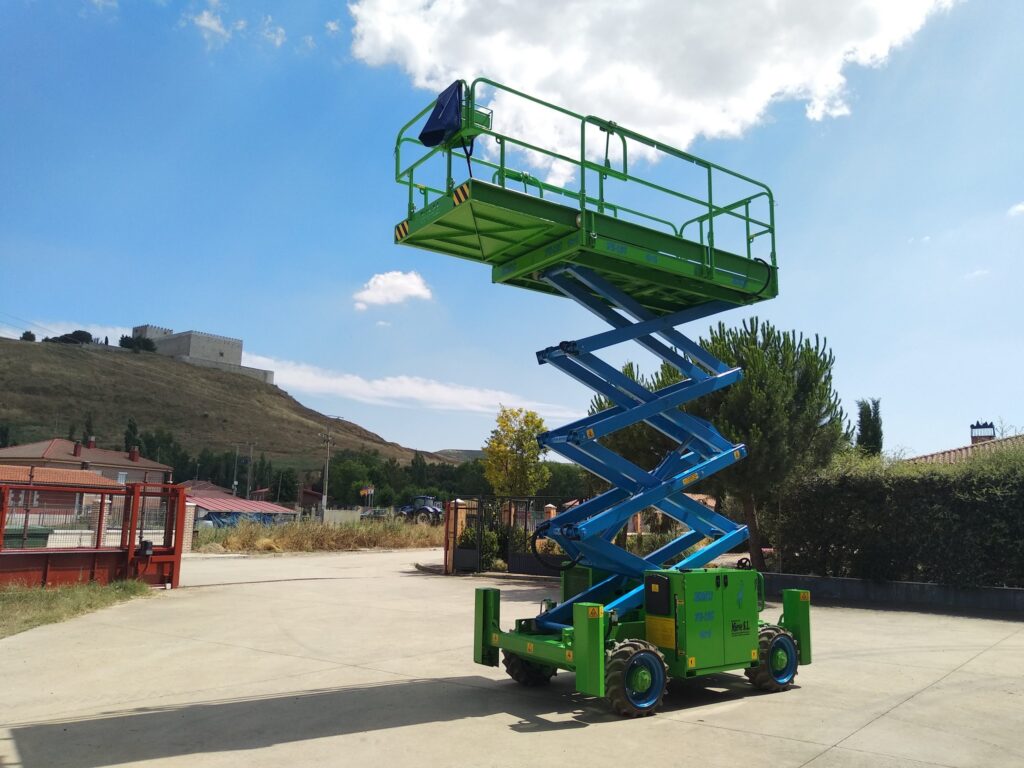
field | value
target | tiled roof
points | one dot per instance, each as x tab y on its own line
205	489
64	451
48	476
956	455
236	504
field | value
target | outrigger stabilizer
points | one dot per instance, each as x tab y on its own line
624	623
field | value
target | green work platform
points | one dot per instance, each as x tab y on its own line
646	255
663	265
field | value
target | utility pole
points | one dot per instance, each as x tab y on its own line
234	474
248	474
326	437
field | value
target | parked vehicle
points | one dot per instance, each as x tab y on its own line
424	510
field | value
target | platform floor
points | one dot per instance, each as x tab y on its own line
519	235
361	660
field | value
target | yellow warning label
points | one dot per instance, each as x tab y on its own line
402	230
690	479
655	587
692	662
595	612
568	656
461	194
805	597
494	638
590	434
753	654
661	631
736	454
529	647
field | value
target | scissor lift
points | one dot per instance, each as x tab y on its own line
625	623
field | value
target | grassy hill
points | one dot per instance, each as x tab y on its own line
461	454
46	387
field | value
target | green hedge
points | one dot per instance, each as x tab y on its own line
960	524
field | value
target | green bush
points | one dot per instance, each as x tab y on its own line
959	524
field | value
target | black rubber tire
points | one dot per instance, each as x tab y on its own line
761	675
616	664
525	672
423	518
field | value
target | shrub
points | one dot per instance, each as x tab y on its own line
313	536
959	524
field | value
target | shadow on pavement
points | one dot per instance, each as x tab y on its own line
138	735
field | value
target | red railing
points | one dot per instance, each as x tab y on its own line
58	535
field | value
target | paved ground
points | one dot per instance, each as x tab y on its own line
360	660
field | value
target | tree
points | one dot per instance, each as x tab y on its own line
784	410
568	481
28	336
75	337
512	455
6	438
418	469
869	426
286	486
131	434
88	430
137	343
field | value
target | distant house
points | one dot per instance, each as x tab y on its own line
217	506
12	474
983	440
58	498
119	466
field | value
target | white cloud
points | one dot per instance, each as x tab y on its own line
240	25
976	274
398	391
383	324
333	27
392	288
674	70
272	32
1016	210
211	26
104	5
308	43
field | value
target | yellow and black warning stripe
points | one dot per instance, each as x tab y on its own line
402	230
461	194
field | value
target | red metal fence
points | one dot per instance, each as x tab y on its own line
68	535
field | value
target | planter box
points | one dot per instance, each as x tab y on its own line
894	594
38	536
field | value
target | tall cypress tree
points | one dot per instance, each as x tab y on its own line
869	426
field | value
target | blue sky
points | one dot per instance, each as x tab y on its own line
228	167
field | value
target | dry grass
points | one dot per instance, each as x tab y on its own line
311	536
22	608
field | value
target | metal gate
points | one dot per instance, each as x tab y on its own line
67	535
483	530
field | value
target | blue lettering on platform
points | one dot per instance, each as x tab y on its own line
703	597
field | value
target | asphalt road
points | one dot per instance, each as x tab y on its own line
358	659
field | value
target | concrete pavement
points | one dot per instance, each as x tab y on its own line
358	659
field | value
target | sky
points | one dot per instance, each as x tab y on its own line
228	167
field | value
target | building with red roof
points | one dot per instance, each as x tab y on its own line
119	466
